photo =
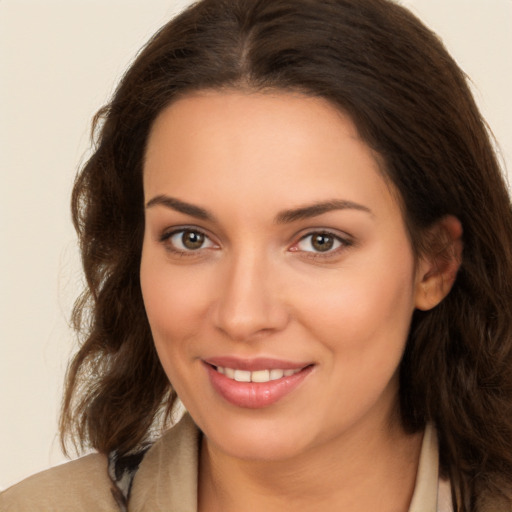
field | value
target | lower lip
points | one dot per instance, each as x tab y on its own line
255	395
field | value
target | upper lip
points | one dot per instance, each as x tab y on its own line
252	365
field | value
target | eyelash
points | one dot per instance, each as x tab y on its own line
166	239
343	243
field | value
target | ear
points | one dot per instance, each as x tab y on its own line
437	268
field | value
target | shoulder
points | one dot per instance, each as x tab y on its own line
79	485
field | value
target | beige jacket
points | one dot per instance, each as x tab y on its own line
167	481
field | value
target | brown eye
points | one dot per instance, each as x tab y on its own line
186	240
322	242
192	239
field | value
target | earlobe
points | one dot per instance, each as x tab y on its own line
437	269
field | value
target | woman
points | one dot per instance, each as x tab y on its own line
295	222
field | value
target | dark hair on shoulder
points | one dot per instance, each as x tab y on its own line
410	101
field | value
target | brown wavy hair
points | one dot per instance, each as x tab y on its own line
411	103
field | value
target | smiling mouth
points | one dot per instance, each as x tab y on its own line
259	376
260	384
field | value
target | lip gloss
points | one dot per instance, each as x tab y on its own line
255	395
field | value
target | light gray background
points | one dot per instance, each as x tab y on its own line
59	62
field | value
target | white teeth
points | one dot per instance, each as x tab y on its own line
277	374
260	376
242	376
256	376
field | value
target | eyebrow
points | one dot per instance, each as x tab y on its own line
283	217
307	212
180	206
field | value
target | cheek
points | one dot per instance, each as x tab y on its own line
363	324
363	314
175	309
174	300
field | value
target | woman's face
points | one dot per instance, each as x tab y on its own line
277	274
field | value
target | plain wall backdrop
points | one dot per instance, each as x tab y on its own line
59	63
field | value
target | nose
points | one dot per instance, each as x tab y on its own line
249	302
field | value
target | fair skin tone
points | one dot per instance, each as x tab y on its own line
273	242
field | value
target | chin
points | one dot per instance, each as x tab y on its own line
263	448
257	439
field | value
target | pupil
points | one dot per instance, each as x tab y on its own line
192	239
323	242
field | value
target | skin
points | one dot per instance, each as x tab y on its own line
257	287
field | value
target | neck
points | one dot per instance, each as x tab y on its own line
374	470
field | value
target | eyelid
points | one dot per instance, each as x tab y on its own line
168	233
344	239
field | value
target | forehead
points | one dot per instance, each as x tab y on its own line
245	146
248	119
